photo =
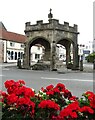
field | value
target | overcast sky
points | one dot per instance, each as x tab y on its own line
15	13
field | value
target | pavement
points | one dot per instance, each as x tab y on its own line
87	67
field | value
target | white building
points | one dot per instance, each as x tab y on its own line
61	52
36	52
87	48
12	46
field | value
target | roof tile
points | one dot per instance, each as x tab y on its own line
11	36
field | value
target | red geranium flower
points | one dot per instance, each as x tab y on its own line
49	104
87	109
60	86
12	98
9	83
70	111
50	87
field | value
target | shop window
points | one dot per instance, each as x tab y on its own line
18	54
15	55
8	54
12	55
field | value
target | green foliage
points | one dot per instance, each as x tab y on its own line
90	57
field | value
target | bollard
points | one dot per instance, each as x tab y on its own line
94	65
81	65
19	63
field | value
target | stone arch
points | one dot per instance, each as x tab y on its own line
37	40
66	42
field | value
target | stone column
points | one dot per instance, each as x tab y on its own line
75	57
26	59
46	56
68	59
53	56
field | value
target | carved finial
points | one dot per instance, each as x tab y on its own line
50	15
50	10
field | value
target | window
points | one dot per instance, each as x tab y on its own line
12	44
15	55
8	54
18	54
21	55
12	55
22	45
37	56
38	47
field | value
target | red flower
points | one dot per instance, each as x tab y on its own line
9	83
56	90
20	91
67	94
29	92
92	102
60	86
87	109
25	105
42	89
21	82
4	94
50	87
12	98
25	101
73	114
50	93
49	104
73	98
70	110
89	95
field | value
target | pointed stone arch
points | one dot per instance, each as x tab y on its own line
66	42
34	41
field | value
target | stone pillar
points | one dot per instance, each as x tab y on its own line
46	56
26	59
75	57
81	64
53	56
68	58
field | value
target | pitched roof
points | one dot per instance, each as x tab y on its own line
2	26
11	36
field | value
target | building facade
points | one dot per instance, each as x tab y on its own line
12	46
87	48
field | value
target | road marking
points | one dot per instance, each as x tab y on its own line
61	79
5	69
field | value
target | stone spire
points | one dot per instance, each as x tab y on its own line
50	15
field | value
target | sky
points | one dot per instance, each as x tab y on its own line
15	13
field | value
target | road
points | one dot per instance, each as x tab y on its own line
76	82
